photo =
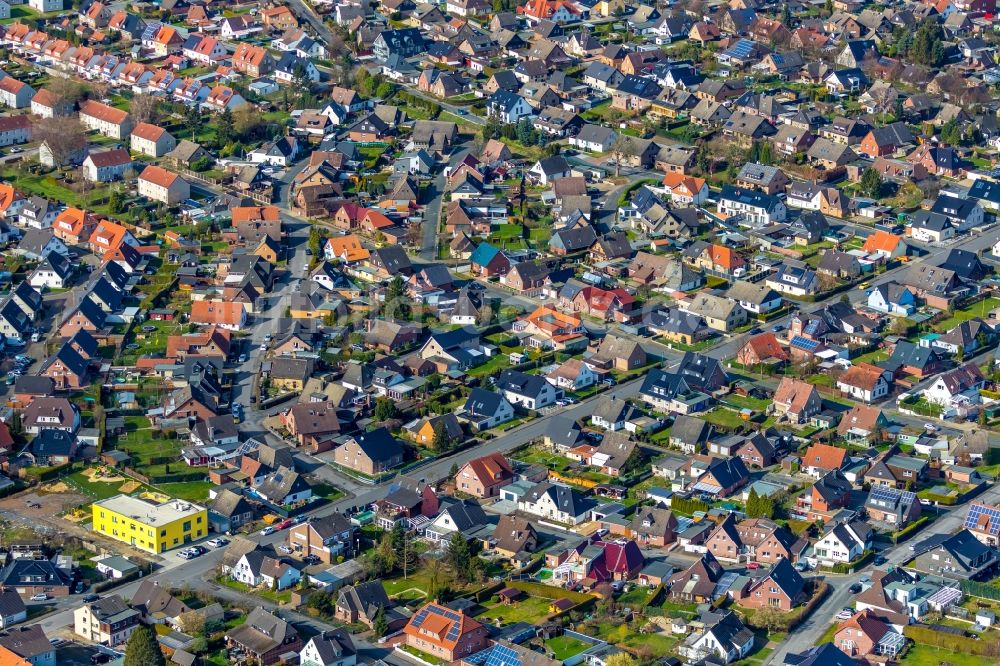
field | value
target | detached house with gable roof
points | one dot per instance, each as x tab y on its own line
444	633
751	207
866	382
797	400
370	453
483	477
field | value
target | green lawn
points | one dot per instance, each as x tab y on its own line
507	231
282	597
420	654
192	491
746	402
528	609
874	356
926	655
637	597
414	581
151	343
980	309
726	418
493	366
49	187
565	647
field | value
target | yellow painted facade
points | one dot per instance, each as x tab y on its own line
154	528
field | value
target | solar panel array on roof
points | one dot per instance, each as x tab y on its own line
741	49
503	656
978	510
885	494
804	343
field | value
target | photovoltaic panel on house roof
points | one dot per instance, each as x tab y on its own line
976	511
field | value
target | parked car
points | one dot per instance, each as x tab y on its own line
218	542
270	529
39	597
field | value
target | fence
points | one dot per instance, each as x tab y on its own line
981	590
948	641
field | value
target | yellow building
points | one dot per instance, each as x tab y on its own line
149	526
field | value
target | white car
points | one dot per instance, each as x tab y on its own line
267	530
285	549
930	427
217	543
39	597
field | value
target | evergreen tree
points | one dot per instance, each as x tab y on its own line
142	648
224	131
442	440
385	410
459	556
786	16
871	182
380	625
395	298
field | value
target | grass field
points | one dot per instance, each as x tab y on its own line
151	343
926	655
980	309
565	647
528	609
726	418
874	356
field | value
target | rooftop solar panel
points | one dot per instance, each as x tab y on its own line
976	511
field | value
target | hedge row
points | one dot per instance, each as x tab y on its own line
113	582
177	478
908	531
687	505
861	562
549	591
982	590
952	642
947	500
42	475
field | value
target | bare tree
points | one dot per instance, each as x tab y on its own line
86	186
144	109
66	89
64	137
620	149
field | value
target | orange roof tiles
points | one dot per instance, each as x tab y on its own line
11	85
217	312
8	195
881	240
347	248
725	257
148	132
824	456
435	626
241	214
108	234
766	346
862	375
103	112
681	184
158	176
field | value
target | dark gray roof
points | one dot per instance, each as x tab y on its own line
522	383
378	444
